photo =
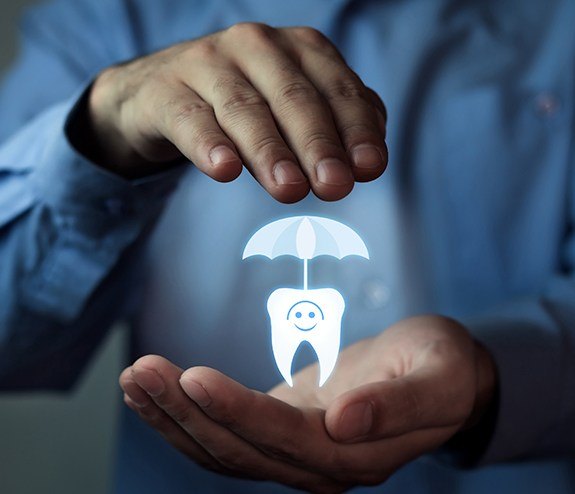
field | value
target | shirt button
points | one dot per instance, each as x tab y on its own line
546	105
376	293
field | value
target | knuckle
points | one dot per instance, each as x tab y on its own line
266	146
358	132
312	37
207	138
185	113
295	93
347	89
203	48
251	31
317	139
240	101
223	84
151	80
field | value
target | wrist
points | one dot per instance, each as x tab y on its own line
103	113
93	131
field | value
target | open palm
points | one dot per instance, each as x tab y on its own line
391	399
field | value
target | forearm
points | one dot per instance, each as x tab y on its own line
61	243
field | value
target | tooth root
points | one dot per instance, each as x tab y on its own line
327	359
284	349
326	343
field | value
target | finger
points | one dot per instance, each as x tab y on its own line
246	118
174	435
161	379
390	408
136	394
351	103
298	436
141	403
292	435
189	123
282	431
302	115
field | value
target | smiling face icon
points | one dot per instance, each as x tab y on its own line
305	315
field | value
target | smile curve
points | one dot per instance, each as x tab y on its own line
305	329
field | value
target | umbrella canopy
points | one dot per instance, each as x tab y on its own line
305	237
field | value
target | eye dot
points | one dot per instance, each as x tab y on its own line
298	314
312	315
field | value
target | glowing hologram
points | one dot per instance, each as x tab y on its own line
305	237
305	315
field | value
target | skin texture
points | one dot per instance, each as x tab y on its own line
281	101
391	399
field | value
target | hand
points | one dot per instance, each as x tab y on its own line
282	101
391	399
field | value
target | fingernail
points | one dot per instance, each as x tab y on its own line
222	154
356	421
288	173
332	171
149	380
366	156
196	392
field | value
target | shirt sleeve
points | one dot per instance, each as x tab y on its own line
533	344
68	229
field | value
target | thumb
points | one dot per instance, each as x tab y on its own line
396	406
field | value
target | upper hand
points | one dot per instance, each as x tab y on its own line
390	399
282	101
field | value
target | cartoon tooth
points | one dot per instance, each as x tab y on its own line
306	315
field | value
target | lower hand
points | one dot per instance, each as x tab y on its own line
391	399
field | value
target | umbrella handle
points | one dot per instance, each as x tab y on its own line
305	275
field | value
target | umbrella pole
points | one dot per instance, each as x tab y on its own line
305	274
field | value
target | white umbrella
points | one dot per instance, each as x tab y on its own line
305	237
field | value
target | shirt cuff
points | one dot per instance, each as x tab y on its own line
525	346
72	184
94	216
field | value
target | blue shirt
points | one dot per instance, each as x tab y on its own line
475	219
